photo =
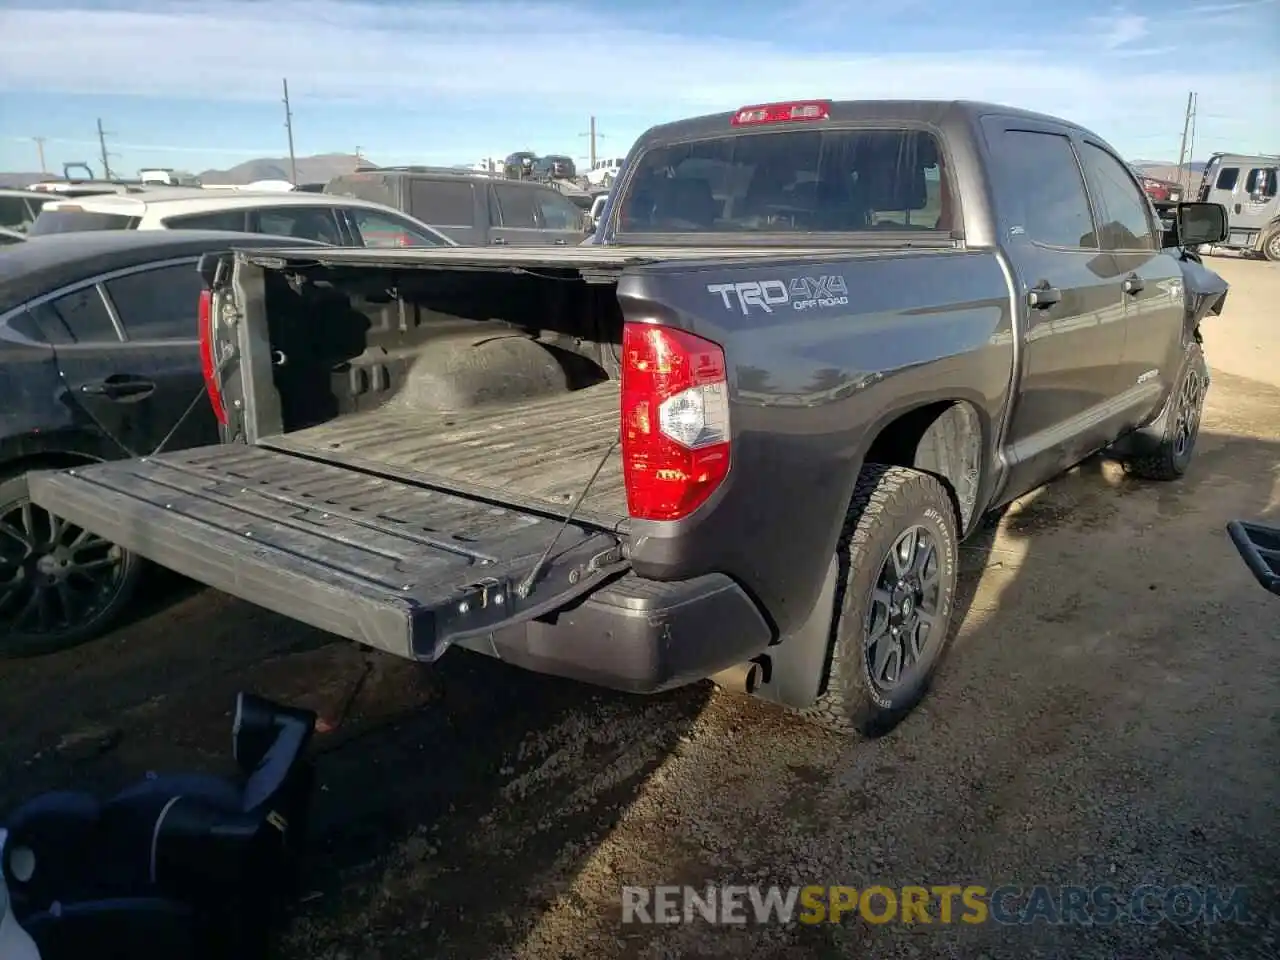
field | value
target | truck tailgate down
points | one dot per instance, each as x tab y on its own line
402	568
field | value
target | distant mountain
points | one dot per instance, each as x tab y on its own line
318	169
1168	170
17	181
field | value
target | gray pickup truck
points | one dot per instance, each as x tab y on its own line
741	436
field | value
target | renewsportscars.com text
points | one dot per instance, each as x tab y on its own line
942	904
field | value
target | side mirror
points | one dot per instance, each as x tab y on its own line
1201	223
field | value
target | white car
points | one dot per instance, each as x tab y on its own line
604	172
341	221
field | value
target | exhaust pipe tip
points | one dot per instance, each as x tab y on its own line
740	678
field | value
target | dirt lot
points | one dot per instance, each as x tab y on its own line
1108	715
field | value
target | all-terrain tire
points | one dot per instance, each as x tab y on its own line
887	502
1177	444
1271	245
26	643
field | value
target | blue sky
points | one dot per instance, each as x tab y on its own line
196	83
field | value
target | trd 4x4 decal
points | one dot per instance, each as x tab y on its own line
802	293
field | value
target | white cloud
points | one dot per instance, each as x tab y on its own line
529	55
1120	30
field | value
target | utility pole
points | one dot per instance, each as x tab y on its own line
1191	141
1186	127
288	125
39	141
102	145
594	135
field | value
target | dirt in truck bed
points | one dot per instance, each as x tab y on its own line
1107	716
542	451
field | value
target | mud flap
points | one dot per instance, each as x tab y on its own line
405	569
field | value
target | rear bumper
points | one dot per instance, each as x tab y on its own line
637	635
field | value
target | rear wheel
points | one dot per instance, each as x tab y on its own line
60	585
898	557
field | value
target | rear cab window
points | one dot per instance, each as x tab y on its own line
78	219
790	181
1227	178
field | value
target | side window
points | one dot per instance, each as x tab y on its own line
516	207
1227	178
306	223
443	203
1044	190
1261	183
557	212
226	220
380	230
1124	211
14	214
85	316
158	304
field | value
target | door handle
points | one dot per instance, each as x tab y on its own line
500	241
1043	296
561	243
1237	208
1134	284
118	387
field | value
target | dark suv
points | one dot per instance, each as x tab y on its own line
471	208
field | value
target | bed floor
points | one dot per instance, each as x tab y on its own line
542	452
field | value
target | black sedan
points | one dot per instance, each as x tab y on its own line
100	352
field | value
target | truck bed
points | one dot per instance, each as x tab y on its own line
539	454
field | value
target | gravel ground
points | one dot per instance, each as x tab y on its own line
1107	716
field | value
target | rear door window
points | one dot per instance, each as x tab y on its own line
1227	178
307	223
443	203
1042	190
235	221
159	304
77	220
516	207
557	213
376	229
85	317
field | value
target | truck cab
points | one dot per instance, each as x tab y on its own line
1248	186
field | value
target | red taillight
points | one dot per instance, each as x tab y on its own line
675	421
782	112
208	363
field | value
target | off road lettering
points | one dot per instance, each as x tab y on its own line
803	293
